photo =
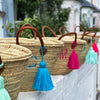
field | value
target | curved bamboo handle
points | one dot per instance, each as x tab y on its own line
25	25
63	28
44	27
79	27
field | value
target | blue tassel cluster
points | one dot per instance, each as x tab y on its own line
43	80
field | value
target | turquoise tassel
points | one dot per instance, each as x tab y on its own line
43	80
3	92
91	56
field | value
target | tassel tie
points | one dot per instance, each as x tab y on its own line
91	56
43	80
73	62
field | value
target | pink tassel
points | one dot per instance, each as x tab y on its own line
95	48
73	62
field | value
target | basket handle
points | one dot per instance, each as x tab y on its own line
79	27
34	29
74	43
25	25
91	28
86	32
44	27
1	65
63	28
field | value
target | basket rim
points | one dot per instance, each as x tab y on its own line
30	42
26	55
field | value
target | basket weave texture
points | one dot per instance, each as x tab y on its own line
61	64
50	58
15	59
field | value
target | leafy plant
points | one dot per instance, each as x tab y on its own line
8	27
40	13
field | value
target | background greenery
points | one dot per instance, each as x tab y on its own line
40	13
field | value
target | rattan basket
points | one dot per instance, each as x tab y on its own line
61	65
53	49
15	59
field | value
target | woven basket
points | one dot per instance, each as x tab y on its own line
15	59
51	56
61	65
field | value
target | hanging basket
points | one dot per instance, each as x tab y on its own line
53	50
61	65
15	59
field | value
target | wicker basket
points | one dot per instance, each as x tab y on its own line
61	64
53	48
15	59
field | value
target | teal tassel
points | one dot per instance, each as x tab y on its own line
3	92
91	56
43	80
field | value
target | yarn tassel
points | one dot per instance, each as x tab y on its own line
91	56
73	62
43	80
95	47
3	92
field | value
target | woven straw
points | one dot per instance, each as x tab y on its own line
61	64
53	49
15	59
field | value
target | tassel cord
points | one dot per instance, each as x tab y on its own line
42	48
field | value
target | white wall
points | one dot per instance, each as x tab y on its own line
74	17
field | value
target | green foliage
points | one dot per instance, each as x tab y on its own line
51	14
28	6
8	27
